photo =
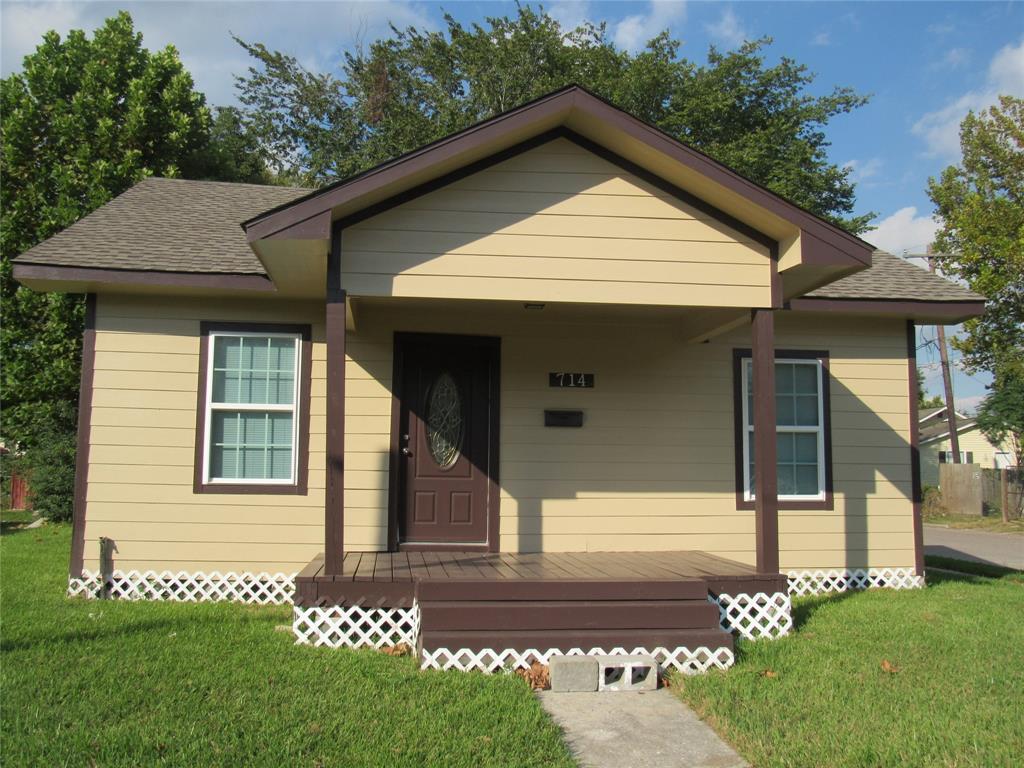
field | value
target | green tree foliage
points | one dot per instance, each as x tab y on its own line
1001	414
980	204
417	86
84	120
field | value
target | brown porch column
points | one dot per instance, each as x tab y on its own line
334	505
766	492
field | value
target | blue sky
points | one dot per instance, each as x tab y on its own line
924	63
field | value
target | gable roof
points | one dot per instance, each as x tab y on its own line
190	233
940	429
589	117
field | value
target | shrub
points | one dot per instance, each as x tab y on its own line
931	502
49	466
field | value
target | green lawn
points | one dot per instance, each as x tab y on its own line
122	684
930	677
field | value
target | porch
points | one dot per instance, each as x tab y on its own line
486	611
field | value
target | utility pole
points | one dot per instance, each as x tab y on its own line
947	379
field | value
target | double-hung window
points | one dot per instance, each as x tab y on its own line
802	434
252	408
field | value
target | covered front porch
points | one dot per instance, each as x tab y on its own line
487	611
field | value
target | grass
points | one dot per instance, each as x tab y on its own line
931	677
991	522
128	684
15	518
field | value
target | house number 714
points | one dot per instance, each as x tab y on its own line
567	380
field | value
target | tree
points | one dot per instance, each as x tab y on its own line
83	121
980	204
1001	419
232	152
417	86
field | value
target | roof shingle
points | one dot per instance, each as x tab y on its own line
891	277
167	225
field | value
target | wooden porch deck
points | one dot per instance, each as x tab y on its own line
393	579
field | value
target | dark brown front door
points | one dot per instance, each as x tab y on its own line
446	439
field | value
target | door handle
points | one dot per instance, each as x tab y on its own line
406	452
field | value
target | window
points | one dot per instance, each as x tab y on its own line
802	429
946	457
254	422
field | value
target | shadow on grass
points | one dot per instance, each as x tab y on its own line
136	626
804	608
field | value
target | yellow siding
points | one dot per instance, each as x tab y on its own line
142	446
972	440
652	468
556	223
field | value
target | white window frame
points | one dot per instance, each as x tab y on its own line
211	408
748	481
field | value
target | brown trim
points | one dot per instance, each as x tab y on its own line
915	453
766	498
85	390
546	107
212	280
774	279
334	497
738	355
950	311
299	488
395	489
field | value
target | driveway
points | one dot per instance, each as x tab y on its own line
1005	549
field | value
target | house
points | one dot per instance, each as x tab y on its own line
508	395
975	448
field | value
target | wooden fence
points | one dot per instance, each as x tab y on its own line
992	491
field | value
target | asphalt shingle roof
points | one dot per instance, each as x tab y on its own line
931	431
169	225
175	225
891	277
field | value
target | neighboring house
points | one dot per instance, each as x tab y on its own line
975	448
510	391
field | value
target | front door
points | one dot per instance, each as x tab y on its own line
447	438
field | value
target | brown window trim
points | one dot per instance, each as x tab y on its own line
299	488
738	355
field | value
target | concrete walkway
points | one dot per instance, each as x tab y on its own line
637	730
1005	549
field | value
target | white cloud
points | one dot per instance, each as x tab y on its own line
315	32
956	58
570	14
904	231
633	32
822	39
941	129
862	171
728	29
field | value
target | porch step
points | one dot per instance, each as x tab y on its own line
541	614
585	639
560	589
567	614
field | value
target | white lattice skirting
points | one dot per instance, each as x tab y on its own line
755	617
803	583
687	661
350	626
257	588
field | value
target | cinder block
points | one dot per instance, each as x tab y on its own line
573	673
627	673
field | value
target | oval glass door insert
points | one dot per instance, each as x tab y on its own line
444	420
